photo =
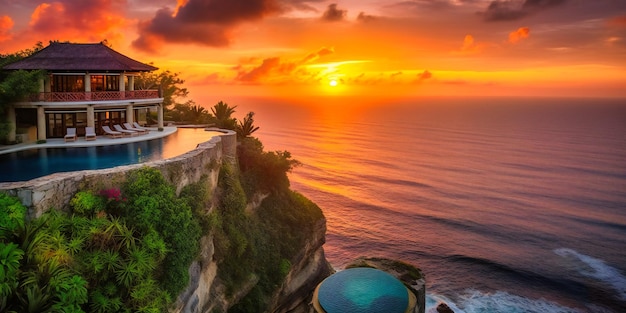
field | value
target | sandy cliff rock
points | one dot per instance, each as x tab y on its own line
205	292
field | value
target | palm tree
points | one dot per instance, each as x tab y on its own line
198	114
222	112
246	127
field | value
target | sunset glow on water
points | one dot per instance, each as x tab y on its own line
487	196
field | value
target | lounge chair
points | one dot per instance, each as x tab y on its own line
141	131
136	125
71	134
90	133
111	133
126	132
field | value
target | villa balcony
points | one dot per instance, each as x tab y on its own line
93	96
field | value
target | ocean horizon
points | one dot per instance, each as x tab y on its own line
506	204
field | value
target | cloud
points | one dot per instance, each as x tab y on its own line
424	75
276	70
77	20
208	22
509	10
316	55
6	24
611	41
531	4
469	47
332	14
429	4
303	5
259	72
362	17
617	22
519	34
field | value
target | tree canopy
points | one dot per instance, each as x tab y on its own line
15	85
169	84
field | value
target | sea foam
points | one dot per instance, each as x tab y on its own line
474	301
595	268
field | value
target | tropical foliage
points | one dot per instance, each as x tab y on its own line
169	84
15	85
189	112
263	171
131	246
35	272
223	115
246	127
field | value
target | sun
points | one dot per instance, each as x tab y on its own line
333	83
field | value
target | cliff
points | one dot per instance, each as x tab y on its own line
207	293
260	244
260	249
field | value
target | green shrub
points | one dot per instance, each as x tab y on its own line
35	262
153	206
86	203
263	171
12	215
285	267
197	196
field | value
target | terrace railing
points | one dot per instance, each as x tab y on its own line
94	95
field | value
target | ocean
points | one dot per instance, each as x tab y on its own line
506	204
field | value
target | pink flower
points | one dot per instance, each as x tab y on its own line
112	194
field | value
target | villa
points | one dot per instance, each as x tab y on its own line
85	85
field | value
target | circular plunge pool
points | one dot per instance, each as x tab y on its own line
362	290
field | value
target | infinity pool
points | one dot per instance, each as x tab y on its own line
363	290
34	163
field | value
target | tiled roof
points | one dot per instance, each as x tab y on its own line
79	57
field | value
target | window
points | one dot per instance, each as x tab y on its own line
112	83
67	83
105	83
97	82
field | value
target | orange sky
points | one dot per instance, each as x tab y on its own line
369	47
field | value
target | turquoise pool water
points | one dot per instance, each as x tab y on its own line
34	163
363	290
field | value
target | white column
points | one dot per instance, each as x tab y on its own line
87	82
129	114
91	119
131	83
160	116
42	85
122	82
12	123
41	123
122	86
87	86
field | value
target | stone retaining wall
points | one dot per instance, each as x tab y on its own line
56	190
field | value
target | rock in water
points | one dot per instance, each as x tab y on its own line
444	308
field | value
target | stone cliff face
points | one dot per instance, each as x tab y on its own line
309	268
206	293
